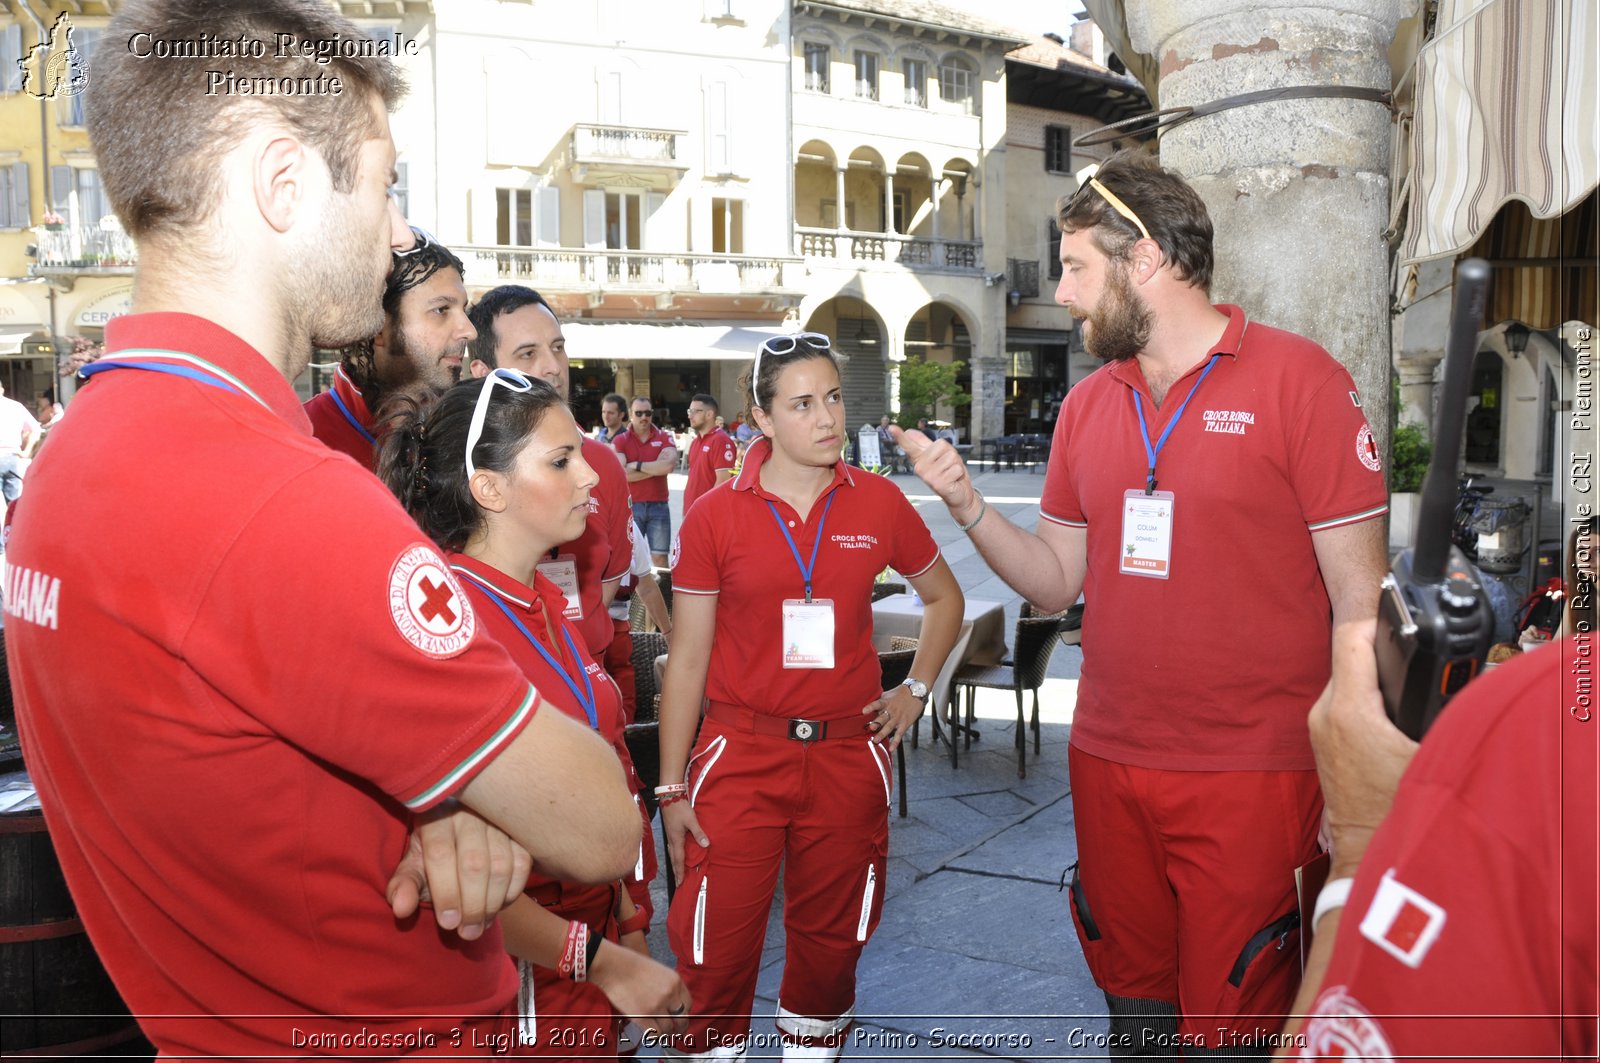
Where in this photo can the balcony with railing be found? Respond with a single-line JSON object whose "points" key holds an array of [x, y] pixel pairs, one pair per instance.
{"points": [[89, 250], [600, 272], [913, 252], [615, 149]]}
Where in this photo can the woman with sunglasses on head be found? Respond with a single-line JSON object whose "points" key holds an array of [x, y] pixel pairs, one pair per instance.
{"points": [[492, 472], [772, 631]]}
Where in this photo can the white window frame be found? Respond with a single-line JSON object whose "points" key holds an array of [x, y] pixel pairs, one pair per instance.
{"points": [[818, 80], [868, 69]]}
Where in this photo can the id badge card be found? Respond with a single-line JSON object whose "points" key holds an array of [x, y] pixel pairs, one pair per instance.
{"points": [[808, 633], [563, 572], [1147, 534]]}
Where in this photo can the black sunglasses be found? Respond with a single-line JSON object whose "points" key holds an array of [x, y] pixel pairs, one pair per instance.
{"points": [[644, 413]]}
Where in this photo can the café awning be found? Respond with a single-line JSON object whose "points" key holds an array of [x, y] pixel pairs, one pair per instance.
{"points": [[1505, 110], [622, 341]]}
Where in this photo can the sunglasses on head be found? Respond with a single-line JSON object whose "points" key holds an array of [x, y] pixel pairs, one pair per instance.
{"points": [[785, 344], [422, 239], [511, 380], [1116, 204]]}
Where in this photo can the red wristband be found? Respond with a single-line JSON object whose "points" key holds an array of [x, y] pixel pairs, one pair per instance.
{"points": [[639, 920]]}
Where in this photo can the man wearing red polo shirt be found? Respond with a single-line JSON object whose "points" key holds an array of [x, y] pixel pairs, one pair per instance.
{"points": [[1215, 494], [713, 453], [517, 329], [234, 879], [422, 343], [648, 455]]}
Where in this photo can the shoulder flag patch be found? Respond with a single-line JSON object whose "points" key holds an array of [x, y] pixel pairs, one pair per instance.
{"points": [[1401, 921], [1355, 399]]}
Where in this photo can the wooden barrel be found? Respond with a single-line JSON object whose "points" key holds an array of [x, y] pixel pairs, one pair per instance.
{"points": [[56, 997]]}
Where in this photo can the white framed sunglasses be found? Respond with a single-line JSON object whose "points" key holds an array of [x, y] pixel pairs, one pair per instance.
{"points": [[422, 239], [783, 345], [511, 380]]}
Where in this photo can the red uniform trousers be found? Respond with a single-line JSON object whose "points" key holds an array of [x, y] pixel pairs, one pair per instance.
{"points": [[821, 810], [563, 1019], [1185, 889]]}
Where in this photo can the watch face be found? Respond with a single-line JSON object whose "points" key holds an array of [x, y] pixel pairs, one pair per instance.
{"points": [[918, 688]]}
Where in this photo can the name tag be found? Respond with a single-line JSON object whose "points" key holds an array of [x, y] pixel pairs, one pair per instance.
{"points": [[1147, 534], [563, 572], [808, 633]]}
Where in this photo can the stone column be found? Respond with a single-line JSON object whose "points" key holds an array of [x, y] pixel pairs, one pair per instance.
{"points": [[1298, 189], [1419, 337], [888, 200], [838, 210], [938, 187]]}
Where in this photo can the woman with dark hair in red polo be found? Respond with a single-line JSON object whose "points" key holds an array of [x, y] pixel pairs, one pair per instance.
{"points": [[772, 630], [493, 473]]}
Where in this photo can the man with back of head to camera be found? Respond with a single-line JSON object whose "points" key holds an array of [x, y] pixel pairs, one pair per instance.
{"points": [[1458, 920], [1213, 492], [422, 344], [294, 668]]}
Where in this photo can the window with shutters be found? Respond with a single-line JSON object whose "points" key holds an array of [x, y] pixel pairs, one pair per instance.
{"points": [[915, 74], [958, 84], [14, 208], [1052, 250], [10, 59], [818, 60], [727, 226], [866, 75], [69, 104], [1058, 149], [719, 129], [528, 217]]}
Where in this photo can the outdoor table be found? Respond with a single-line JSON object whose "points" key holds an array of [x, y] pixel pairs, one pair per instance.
{"points": [[981, 640]]}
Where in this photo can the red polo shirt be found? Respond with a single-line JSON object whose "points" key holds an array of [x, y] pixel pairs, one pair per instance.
{"points": [[1214, 668], [1470, 931], [648, 449], [605, 549], [708, 453], [228, 722], [732, 546], [346, 428]]}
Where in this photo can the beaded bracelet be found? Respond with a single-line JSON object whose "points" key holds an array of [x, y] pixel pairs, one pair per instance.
{"points": [[670, 799]]}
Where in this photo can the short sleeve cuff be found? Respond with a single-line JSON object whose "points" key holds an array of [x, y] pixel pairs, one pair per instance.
{"points": [[934, 560], [1349, 518], [464, 770], [1053, 519]]}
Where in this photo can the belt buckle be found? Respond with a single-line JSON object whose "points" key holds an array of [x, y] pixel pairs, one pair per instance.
{"points": [[807, 730]]}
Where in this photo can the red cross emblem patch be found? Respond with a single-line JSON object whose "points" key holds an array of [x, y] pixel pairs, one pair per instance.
{"points": [[427, 605]]}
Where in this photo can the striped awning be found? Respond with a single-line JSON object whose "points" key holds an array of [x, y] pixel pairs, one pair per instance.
{"points": [[1505, 110]]}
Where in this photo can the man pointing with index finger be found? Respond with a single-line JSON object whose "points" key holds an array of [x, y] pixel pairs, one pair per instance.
{"points": [[1214, 480]]}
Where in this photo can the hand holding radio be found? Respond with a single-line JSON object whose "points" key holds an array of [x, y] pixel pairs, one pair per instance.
{"points": [[1435, 623]]}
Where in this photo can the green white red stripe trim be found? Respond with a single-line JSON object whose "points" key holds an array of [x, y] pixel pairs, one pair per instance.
{"points": [[485, 752], [1353, 518]]}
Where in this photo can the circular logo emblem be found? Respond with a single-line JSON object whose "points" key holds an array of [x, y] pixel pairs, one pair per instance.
{"points": [[1367, 449], [677, 546], [427, 605], [1340, 1028], [803, 730]]}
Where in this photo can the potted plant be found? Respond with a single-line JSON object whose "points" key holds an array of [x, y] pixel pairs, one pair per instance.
{"points": [[1409, 452], [54, 222]]}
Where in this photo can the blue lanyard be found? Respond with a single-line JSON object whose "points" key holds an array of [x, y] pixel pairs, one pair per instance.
{"points": [[585, 697], [805, 569], [1144, 429], [337, 401], [199, 370]]}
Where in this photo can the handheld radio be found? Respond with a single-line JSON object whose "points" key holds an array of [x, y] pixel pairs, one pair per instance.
{"points": [[1435, 623]]}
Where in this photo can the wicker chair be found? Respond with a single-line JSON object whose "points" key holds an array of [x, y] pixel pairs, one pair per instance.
{"points": [[896, 665], [1035, 640], [1071, 622]]}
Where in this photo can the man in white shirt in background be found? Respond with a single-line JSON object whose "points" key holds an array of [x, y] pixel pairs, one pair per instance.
{"points": [[17, 428]]}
